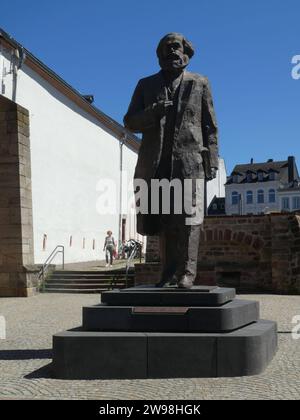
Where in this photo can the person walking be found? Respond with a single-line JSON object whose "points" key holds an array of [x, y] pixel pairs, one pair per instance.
{"points": [[109, 247]]}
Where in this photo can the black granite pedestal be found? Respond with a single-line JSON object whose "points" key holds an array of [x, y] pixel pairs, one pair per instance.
{"points": [[166, 333]]}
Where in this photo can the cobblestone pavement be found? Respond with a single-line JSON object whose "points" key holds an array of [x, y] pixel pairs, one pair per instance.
{"points": [[26, 354]]}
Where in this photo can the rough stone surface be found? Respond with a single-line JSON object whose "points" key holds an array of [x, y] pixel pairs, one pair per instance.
{"points": [[26, 353], [250, 253], [16, 231]]}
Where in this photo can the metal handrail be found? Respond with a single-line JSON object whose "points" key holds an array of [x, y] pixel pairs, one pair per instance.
{"points": [[131, 257], [60, 249]]}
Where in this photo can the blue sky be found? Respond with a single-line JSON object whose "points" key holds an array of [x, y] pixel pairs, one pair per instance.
{"points": [[244, 47]]}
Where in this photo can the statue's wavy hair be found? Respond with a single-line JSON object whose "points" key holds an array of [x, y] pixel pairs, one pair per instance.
{"points": [[187, 45]]}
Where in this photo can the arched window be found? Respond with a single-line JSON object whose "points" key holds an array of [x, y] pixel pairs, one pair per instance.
{"points": [[235, 198], [249, 197], [260, 196], [272, 196]]}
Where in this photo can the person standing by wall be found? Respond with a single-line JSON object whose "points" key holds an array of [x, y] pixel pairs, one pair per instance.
{"points": [[109, 247]]}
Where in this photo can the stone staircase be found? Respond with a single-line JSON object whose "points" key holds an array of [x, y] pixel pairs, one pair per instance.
{"points": [[87, 281]]}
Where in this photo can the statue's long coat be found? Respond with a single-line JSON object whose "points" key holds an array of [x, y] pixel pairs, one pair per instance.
{"points": [[195, 137]]}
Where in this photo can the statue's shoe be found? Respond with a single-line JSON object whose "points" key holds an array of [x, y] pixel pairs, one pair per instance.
{"points": [[186, 282], [167, 282]]}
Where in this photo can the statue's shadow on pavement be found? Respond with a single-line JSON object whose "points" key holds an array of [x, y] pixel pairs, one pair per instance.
{"points": [[44, 372], [38, 354]]}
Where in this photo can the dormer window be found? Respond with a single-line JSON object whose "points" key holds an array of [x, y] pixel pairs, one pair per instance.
{"points": [[260, 176], [272, 176], [235, 179], [249, 177]]}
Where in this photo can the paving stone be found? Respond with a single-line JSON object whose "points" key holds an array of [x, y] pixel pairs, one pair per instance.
{"points": [[32, 322]]}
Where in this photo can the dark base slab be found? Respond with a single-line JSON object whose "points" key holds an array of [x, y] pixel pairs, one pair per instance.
{"points": [[170, 296], [228, 317], [104, 355]]}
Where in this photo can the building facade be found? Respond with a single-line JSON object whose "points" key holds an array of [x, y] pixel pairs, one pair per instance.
{"points": [[261, 188], [74, 147]]}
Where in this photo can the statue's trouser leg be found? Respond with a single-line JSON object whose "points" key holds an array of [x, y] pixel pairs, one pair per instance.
{"points": [[168, 252], [188, 238]]}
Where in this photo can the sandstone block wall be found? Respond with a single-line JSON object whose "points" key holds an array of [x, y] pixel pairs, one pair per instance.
{"points": [[251, 253], [17, 274]]}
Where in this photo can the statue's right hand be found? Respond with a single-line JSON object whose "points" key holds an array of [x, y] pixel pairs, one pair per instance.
{"points": [[161, 107]]}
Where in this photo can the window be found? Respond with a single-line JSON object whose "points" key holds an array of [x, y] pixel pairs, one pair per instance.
{"points": [[235, 179], [285, 203], [260, 176], [249, 197], [296, 203], [272, 176], [272, 196], [235, 198], [249, 177], [215, 207], [260, 196]]}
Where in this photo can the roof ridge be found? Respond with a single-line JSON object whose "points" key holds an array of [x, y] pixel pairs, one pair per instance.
{"points": [[106, 119]]}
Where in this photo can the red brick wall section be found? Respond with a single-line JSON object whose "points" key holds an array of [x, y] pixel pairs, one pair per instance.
{"points": [[251, 253]]}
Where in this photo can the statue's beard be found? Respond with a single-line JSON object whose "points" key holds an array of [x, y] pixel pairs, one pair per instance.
{"points": [[175, 63]]}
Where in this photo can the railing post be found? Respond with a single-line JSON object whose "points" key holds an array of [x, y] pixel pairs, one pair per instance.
{"points": [[63, 257], [57, 250]]}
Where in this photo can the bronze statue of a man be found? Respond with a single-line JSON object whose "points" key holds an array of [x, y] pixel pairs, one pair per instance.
{"points": [[173, 109]]}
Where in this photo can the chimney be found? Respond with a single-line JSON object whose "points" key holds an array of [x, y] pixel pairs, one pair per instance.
{"points": [[291, 168], [252, 161]]}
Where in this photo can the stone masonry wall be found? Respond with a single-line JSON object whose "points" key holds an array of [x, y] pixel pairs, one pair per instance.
{"points": [[17, 277], [251, 253]]}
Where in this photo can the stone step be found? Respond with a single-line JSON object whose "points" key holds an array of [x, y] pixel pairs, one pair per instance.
{"points": [[229, 317], [75, 291], [104, 286], [128, 355], [90, 276], [90, 281], [92, 272], [171, 296]]}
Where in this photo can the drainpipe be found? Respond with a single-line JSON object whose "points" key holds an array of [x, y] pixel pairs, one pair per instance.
{"points": [[122, 142], [17, 60]]}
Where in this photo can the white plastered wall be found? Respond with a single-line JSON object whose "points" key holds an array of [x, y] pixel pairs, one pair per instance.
{"points": [[70, 152]]}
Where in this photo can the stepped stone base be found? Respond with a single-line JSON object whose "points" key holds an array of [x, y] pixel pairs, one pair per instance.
{"points": [[170, 296], [203, 332], [225, 318], [103, 355]]}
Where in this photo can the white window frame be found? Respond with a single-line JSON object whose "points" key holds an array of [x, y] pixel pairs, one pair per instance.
{"points": [[247, 196], [287, 201], [273, 192], [294, 200], [234, 195], [260, 193]]}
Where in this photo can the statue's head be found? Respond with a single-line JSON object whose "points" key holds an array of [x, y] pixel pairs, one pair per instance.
{"points": [[174, 52]]}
